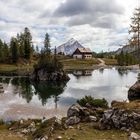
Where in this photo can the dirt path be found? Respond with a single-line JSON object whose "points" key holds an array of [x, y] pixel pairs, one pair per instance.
{"points": [[102, 62]]}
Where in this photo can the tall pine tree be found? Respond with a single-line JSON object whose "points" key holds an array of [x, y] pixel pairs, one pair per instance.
{"points": [[14, 50], [27, 43]]}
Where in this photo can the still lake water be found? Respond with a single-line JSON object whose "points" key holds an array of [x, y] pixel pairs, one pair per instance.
{"points": [[23, 99]]}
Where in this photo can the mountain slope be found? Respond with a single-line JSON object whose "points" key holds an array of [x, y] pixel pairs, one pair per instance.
{"points": [[127, 49], [69, 47]]}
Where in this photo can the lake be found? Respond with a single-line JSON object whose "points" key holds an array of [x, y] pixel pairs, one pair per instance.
{"points": [[23, 99]]}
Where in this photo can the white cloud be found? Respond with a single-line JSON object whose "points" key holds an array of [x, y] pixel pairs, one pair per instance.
{"points": [[102, 26]]}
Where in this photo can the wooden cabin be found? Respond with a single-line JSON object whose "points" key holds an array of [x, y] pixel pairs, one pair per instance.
{"points": [[82, 53]]}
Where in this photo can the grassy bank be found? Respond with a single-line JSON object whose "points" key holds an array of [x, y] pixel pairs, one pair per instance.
{"points": [[15, 69], [83, 131], [67, 62], [70, 64], [110, 61]]}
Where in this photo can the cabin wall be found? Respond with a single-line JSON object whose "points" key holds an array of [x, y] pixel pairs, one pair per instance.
{"points": [[77, 56], [87, 56]]}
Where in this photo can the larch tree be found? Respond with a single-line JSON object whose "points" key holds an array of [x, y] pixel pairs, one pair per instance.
{"points": [[135, 30]]}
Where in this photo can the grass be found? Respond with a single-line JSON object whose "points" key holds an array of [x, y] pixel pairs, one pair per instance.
{"points": [[70, 64], [5, 134], [110, 61], [87, 132], [133, 106]]}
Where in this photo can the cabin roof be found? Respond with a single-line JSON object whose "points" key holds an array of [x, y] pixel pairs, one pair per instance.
{"points": [[84, 50]]}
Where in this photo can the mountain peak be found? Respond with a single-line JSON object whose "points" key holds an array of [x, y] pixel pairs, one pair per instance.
{"points": [[69, 47], [71, 41]]}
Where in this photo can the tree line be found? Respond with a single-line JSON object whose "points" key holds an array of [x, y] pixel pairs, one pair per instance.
{"points": [[125, 59], [20, 47]]}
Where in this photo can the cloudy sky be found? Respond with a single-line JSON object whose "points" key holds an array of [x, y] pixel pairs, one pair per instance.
{"points": [[97, 24]]}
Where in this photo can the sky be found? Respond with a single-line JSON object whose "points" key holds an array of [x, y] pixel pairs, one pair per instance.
{"points": [[101, 25]]}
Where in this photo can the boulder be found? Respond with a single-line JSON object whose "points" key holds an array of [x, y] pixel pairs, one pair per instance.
{"points": [[134, 92], [73, 120], [74, 110], [92, 118], [119, 119], [134, 136]]}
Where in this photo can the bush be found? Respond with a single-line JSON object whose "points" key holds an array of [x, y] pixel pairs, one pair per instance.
{"points": [[93, 102]]}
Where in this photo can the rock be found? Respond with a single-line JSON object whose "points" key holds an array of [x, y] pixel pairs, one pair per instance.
{"points": [[25, 131], [43, 120], [74, 110], [73, 120], [71, 127], [92, 118], [21, 121], [43, 75], [134, 136], [119, 119], [58, 121], [134, 92], [59, 138], [32, 125]]}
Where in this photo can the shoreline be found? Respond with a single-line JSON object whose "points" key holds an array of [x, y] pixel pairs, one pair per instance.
{"points": [[94, 67], [68, 128]]}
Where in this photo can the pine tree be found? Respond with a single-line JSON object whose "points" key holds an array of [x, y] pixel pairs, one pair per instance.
{"points": [[6, 51], [47, 44], [27, 43], [14, 50], [1, 50]]}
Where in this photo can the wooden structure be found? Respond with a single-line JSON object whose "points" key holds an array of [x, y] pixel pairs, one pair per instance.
{"points": [[82, 53]]}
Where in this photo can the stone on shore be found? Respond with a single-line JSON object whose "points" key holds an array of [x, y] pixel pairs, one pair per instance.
{"points": [[134, 92], [134, 136]]}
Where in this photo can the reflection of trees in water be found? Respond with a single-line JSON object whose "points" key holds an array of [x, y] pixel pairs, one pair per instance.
{"points": [[24, 87], [122, 71], [101, 70], [46, 90], [4, 80]]}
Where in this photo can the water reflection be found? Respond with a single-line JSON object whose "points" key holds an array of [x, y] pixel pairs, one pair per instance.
{"points": [[20, 94], [82, 72], [46, 90], [122, 71]]}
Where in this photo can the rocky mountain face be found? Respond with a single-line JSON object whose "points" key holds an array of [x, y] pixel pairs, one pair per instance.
{"points": [[69, 47], [127, 49]]}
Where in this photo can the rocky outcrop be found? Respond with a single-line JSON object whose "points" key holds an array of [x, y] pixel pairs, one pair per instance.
{"points": [[43, 75], [120, 119], [77, 114], [134, 92]]}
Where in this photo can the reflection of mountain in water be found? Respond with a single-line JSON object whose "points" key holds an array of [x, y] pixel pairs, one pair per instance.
{"points": [[27, 90]]}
